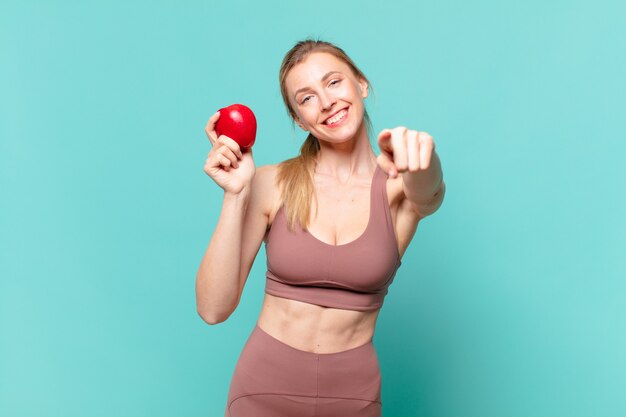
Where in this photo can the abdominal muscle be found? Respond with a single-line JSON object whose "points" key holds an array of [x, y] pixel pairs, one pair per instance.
{"points": [[314, 328]]}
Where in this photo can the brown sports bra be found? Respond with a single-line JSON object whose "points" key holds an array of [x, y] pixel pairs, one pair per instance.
{"points": [[352, 276]]}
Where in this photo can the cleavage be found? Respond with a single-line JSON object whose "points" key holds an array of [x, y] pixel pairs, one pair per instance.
{"points": [[347, 214]]}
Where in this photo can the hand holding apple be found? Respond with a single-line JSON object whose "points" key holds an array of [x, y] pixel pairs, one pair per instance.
{"points": [[229, 164]]}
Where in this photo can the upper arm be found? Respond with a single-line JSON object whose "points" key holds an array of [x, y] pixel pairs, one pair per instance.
{"points": [[256, 220]]}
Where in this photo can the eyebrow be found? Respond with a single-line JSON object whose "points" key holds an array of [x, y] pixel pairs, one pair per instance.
{"points": [[328, 74]]}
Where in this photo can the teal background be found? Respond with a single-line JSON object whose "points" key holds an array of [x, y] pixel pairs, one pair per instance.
{"points": [[510, 299]]}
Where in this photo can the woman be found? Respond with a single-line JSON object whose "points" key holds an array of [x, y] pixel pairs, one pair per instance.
{"points": [[311, 352]]}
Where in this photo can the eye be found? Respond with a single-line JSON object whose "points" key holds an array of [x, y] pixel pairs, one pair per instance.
{"points": [[306, 98]]}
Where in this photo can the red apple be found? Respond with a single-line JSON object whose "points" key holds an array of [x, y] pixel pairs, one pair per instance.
{"points": [[238, 123]]}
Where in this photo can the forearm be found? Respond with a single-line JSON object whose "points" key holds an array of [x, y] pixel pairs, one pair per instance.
{"points": [[422, 186], [217, 280]]}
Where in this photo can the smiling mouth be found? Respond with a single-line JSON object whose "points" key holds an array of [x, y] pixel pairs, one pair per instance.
{"points": [[337, 118]]}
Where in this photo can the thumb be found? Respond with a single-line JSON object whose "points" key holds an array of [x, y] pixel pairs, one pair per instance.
{"points": [[384, 141], [384, 135], [387, 165]]}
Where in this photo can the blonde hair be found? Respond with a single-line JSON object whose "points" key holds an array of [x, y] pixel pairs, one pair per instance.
{"points": [[295, 175]]}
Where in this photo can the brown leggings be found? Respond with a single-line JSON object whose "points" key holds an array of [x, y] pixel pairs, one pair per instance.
{"points": [[273, 379]]}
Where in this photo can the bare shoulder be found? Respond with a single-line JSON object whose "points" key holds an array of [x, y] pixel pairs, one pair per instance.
{"points": [[266, 190]]}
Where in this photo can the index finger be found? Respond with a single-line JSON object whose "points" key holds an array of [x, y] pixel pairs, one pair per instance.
{"points": [[210, 127]]}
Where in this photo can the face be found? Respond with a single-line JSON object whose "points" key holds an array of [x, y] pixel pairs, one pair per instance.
{"points": [[326, 97]]}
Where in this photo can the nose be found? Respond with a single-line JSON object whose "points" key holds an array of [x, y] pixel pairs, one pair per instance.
{"points": [[327, 101]]}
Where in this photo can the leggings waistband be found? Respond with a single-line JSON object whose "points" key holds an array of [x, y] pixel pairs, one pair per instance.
{"points": [[284, 346]]}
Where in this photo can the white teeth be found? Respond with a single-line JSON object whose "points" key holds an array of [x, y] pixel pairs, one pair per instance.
{"points": [[337, 117]]}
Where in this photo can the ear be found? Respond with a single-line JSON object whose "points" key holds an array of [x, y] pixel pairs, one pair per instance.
{"points": [[363, 86]]}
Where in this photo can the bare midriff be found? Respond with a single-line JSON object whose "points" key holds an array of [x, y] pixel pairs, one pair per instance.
{"points": [[314, 328]]}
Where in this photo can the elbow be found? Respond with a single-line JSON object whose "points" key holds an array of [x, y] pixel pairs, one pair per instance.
{"points": [[212, 312], [209, 311], [211, 318]]}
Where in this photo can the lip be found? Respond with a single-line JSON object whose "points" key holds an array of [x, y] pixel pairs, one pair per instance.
{"points": [[334, 114]]}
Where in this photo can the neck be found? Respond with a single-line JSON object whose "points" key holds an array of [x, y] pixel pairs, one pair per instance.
{"points": [[353, 158]]}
